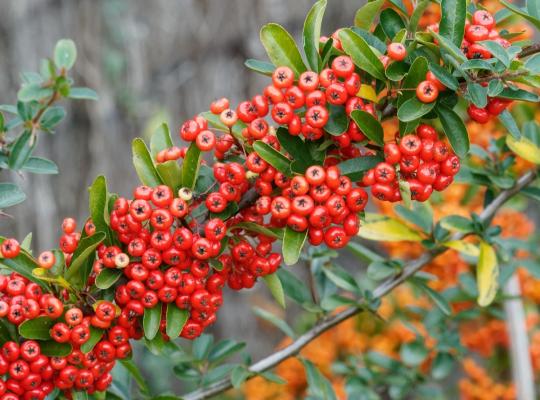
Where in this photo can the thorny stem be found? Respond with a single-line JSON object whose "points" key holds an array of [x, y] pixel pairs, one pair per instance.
{"points": [[384, 288]]}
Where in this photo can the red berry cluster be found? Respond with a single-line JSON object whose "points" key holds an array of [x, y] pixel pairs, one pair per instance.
{"points": [[322, 201], [29, 374], [421, 160]]}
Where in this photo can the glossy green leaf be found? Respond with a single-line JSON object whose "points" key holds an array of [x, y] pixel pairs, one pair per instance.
{"points": [[95, 335], [274, 320], [176, 319], [452, 25], [338, 122], [65, 53], [37, 328], [50, 348], [253, 227], [455, 130], [417, 73], [82, 93], [294, 288], [292, 245], [391, 23], [144, 166], [191, 165], [354, 168], [281, 48], [52, 117], [533, 64], [274, 285], [108, 277], [10, 195], [22, 150], [396, 71], [160, 139], [224, 349], [361, 54], [445, 77], [519, 94], [478, 94], [296, 147], [97, 201], [151, 321], [262, 67], [447, 45], [414, 109], [273, 157], [365, 15], [369, 126], [171, 174], [85, 248], [312, 34]]}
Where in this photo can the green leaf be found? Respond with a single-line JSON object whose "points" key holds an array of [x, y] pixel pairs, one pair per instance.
{"points": [[337, 120], [95, 336], [436, 297], [495, 87], [171, 174], [318, 386], [421, 215], [296, 147], [414, 109], [341, 278], [417, 14], [379, 270], [533, 64], [524, 148], [65, 53], [224, 349], [108, 277], [417, 73], [446, 78], [38, 165], [396, 71], [292, 245], [519, 94], [26, 244], [144, 166], [151, 321], [37, 328], [10, 194], [85, 248], [274, 285], [294, 288], [254, 227], [497, 51], [442, 365], [160, 139], [273, 157], [82, 93], [262, 67], [22, 150], [355, 167], [281, 48], [239, 375], [365, 15], [191, 165], [391, 23], [176, 319], [52, 117], [457, 223], [478, 94], [509, 123], [50, 348], [97, 201], [413, 353], [274, 320], [522, 13], [134, 371], [455, 130], [312, 34], [202, 346], [369, 126], [33, 92], [452, 50], [452, 25], [361, 54]]}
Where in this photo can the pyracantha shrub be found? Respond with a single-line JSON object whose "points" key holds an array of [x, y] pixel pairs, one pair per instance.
{"points": [[296, 163]]}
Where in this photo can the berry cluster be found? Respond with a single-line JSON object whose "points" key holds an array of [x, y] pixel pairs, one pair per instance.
{"points": [[322, 201], [421, 160], [29, 374]]}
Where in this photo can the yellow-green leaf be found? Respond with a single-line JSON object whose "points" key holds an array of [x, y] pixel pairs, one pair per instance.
{"points": [[367, 92], [387, 229], [466, 248], [524, 148], [487, 273]]}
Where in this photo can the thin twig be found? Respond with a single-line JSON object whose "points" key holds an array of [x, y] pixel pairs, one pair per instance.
{"points": [[330, 321]]}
